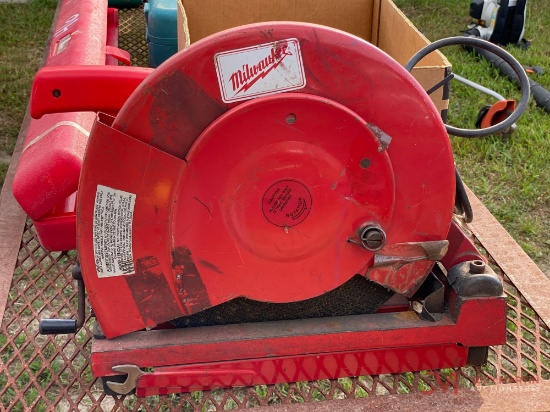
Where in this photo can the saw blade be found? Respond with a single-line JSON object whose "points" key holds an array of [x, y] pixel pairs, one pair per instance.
{"points": [[358, 296]]}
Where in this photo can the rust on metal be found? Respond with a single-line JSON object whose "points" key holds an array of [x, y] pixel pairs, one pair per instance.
{"points": [[383, 138], [188, 278]]}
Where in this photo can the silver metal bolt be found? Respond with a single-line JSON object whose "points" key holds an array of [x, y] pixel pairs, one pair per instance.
{"points": [[373, 238]]}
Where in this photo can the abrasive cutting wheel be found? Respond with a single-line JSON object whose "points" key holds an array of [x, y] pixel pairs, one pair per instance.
{"points": [[271, 162]]}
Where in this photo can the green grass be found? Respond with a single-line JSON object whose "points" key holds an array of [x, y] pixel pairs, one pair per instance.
{"points": [[511, 176], [23, 35]]}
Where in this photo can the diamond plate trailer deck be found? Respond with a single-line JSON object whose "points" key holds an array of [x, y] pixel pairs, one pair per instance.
{"points": [[53, 373]]}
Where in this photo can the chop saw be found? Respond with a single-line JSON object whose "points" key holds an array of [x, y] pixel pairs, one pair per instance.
{"points": [[275, 204]]}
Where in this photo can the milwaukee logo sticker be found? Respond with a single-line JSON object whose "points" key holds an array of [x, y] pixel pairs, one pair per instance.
{"points": [[260, 70]]}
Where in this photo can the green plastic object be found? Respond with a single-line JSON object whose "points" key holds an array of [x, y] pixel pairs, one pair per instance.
{"points": [[125, 4]]}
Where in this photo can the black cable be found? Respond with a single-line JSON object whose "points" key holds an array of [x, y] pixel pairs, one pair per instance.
{"points": [[505, 56], [540, 94], [461, 200]]}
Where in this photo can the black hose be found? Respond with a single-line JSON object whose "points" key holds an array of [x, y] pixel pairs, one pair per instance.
{"points": [[462, 203], [540, 94], [503, 54]]}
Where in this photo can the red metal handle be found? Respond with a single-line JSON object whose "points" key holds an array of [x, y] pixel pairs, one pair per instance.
{"points": [[83, 88]]}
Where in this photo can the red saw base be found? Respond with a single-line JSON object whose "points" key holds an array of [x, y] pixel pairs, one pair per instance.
{"points": [[304, 350], [456, 314]]}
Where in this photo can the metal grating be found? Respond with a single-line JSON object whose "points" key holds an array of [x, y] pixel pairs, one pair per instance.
{"points": [[131, 35], [45, 373], [525, 358]]}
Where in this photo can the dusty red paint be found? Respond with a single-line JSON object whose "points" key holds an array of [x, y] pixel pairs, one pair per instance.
{"points": [[190, 286], [150, 290], [281, 351]]}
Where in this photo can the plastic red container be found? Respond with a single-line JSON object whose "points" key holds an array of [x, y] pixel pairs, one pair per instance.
{"points": [[49, 168]]}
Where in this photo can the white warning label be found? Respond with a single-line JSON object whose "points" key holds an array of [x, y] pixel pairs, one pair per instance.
{"points": [[112, 232]]}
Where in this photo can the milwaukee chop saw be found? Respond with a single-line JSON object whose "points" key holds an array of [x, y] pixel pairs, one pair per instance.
{"points": [[274, 204]]}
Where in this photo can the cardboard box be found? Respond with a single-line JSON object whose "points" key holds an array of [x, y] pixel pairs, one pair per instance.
{"points": [[378, 21]]}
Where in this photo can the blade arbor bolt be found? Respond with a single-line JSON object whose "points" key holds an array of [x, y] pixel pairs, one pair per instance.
{"points": [[373, 238]]}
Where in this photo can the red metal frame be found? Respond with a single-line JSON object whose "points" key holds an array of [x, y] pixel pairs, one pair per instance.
{"points": [[312, 349], [314, 367]]}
